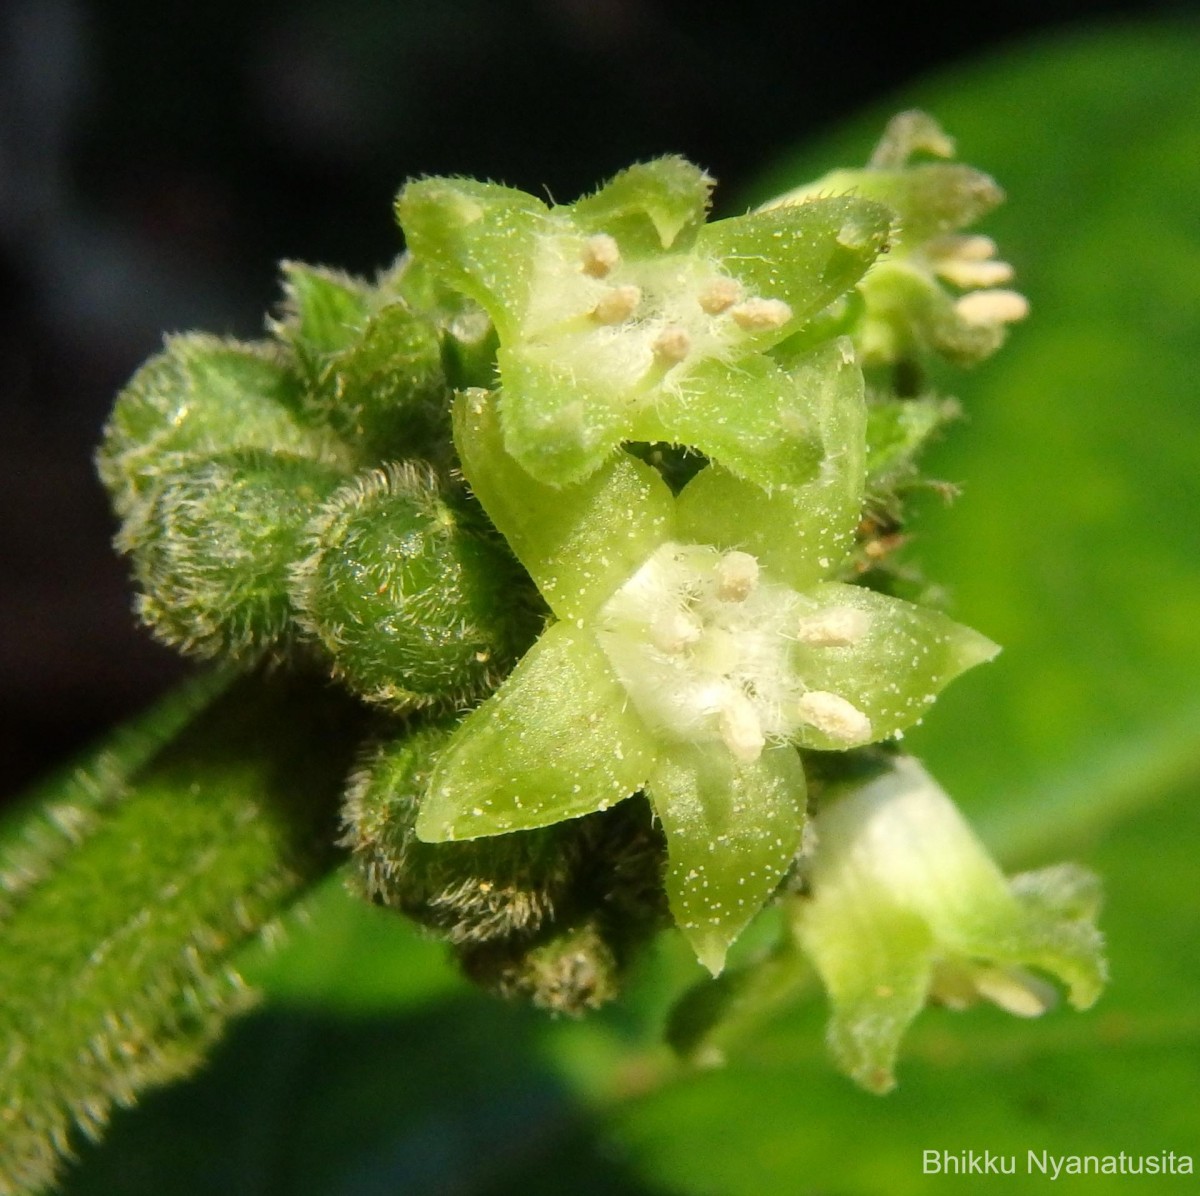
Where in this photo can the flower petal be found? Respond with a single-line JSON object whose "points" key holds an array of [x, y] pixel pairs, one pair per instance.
{"points": [[649, 207], [931, 198], [875, 961], [579, 543], [805, 255], [890, 668], [556, 741], [904, 901], [479, 237], [733, 830], [751, 417], [560, 422], [799, 532]]}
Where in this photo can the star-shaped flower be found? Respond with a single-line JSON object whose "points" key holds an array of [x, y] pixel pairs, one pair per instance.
{"points": [[698, 641], [905, 905], [907, 305], [625, 317]]}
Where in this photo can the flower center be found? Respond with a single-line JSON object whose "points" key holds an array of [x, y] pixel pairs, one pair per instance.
{"points": [[640, 323], [708, 650]]}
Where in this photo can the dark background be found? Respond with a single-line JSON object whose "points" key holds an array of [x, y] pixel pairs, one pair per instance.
{"points": [[156, 160]]}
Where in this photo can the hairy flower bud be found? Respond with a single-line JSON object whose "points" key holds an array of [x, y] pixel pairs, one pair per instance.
{"points": [[414, 602]]}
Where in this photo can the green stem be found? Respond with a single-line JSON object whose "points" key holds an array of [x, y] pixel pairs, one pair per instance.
{"points": [[126, 893]]}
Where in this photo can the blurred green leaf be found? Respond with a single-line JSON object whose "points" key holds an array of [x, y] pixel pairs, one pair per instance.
{"points": [[1075, 547]]}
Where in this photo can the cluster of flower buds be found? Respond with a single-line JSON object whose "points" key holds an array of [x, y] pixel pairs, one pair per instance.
{"points": [[663, 594]]}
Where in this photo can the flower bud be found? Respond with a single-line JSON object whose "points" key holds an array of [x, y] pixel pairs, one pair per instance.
{"points": [[212, 549], [201, 396], [469, 892], [413, 605], [385, 393], [323, 313]]}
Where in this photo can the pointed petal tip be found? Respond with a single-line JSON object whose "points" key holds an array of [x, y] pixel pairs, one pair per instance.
{"points": [[711, 952]]}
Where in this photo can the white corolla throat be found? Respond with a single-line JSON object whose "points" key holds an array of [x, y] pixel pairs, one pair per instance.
{"points": [[710, 650]]}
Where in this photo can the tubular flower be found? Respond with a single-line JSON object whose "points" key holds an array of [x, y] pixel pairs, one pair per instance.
{"points": [[906, 906], [907, 306], [624, 316], [699, 640]]}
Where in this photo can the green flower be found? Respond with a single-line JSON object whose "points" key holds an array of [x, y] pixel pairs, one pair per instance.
{"points": [[625, 316], [698, 641], [906, 906], [907, 305]]}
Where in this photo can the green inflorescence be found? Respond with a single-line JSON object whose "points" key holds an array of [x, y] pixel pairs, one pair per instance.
{"points": [[597, 508]]}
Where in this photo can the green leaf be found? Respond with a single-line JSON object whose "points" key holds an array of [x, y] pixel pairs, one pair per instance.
{"points": [[931, 199], [732, 831], [556, 741], [182, 843], [560, 423]]}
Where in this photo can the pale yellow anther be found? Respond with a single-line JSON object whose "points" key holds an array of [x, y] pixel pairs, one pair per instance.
{"points": [[963, 272], [737, 576], [758, 315], [671, 345], [839, 627], [832, 715], [600, 255], [719, 295], [1014, 990], [969, 247], [740, 729], [615, 306], [984, 309]]}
